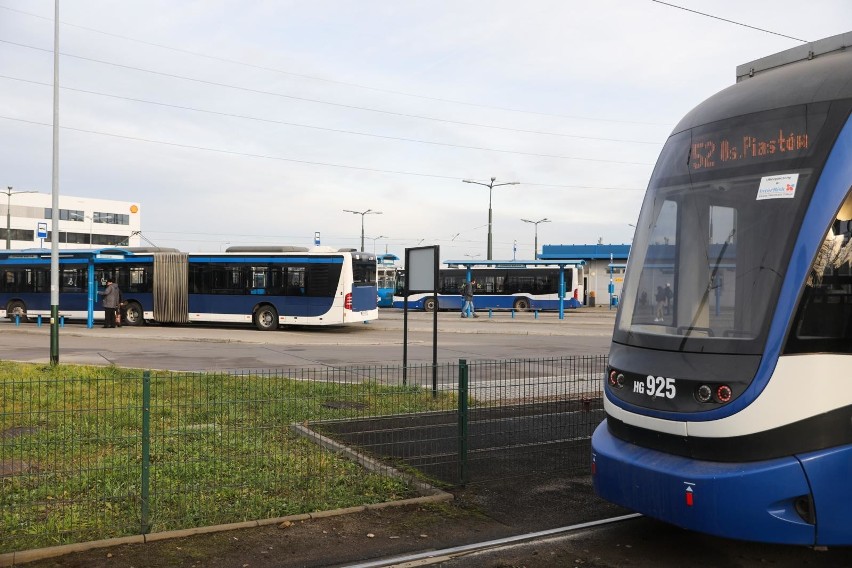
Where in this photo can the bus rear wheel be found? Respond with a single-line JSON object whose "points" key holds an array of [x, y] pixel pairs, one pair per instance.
{"points": [[430, 304], [522, 304], [133, 314], [266, 318], [16, 308]]}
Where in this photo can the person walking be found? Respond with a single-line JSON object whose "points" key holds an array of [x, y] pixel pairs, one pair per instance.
{"points": [[660, 298], [669, 296], [467, 294], [112, 299]]}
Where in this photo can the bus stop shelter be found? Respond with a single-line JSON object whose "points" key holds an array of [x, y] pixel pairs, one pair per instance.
{"points": [[561, 264]]}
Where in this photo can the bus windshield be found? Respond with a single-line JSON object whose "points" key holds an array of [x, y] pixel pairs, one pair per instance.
{"points": [[363, 272], [714, 236]]}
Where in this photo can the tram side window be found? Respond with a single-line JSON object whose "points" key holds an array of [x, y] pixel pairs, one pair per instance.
{"points": [[823, 320]]}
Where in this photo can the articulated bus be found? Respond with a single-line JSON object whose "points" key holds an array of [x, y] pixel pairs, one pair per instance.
{"points": [[513, 287], [264, 286]]}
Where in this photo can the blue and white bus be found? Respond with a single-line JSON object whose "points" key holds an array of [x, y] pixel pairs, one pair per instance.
{"points": [[514, 286], [386, 278], [264, 286]]}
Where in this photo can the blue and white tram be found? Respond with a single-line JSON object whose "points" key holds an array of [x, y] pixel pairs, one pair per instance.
{"points": [[729, 406]]}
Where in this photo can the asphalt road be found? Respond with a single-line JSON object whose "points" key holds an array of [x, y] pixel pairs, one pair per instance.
{"points": [[586, 331]]}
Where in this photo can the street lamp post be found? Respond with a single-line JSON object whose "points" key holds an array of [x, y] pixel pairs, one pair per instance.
{"points": [[545, 220], [362, 213], [9, 193], [490, 187], [374, 239], [91, 219]]}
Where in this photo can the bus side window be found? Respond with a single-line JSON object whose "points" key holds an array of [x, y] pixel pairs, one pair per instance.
{"points": [[295, 280]]}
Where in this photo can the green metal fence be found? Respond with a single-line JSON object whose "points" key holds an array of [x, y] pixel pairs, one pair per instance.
{"points": [[104, 453]]}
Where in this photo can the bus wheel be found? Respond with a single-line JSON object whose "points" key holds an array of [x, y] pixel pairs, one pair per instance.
{"points": [[133, 314], [266, 318], [16, 308], [522, 304], [429, 304]]}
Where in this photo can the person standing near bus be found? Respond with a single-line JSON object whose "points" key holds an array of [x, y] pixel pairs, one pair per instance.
{"points": [[467, 294], [112, 299]]}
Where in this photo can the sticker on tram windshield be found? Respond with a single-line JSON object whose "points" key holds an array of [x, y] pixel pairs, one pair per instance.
{"points": [[777, 187]]}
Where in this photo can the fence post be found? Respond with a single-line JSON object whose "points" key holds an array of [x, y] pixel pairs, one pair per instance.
{"points": [[463, 421], [146, 450]]}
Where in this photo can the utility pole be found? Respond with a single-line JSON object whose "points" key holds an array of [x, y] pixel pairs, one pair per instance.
{"points": [[362, 213], [490, 187], [545, 220], [54, 240]]}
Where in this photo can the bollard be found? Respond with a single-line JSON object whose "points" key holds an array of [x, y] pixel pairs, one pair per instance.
{"points": [[38, 320], [536, 314], [513, 314], [490, 313], [61, 321], [17, 319]]}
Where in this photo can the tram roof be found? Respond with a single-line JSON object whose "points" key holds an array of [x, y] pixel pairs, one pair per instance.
{"points": [[823, 77]]}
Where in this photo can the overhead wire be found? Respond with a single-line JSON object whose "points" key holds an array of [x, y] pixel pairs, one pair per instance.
{"points": [[319, 163], [294, 160], [305, 99], [327, 80], [727, 20], [338, 130]]}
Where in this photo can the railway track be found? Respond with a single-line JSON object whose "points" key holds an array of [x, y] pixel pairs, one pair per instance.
{"points": [[437, 556]]}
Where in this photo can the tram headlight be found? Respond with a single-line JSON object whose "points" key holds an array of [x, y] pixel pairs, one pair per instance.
{"points": [[724, 393], [619, 380], [704, 393]]}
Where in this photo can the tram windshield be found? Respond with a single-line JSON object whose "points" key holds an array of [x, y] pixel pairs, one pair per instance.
{"points": [[715, 232]]}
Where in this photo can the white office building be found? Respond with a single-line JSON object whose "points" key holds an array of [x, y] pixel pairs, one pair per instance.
{"points": [[83, 222]]}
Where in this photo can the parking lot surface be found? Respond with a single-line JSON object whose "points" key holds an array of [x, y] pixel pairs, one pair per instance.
{"points": [[500, 335]]}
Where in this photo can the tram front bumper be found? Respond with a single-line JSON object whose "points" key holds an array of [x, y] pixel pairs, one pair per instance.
{"points": [[748, 501]]}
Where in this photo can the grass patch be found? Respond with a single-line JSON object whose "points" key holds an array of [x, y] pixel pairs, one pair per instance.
{"points": [[221, 449]]}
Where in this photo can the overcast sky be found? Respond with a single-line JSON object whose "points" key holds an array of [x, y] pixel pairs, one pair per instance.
{"points": [[259, 122]]}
